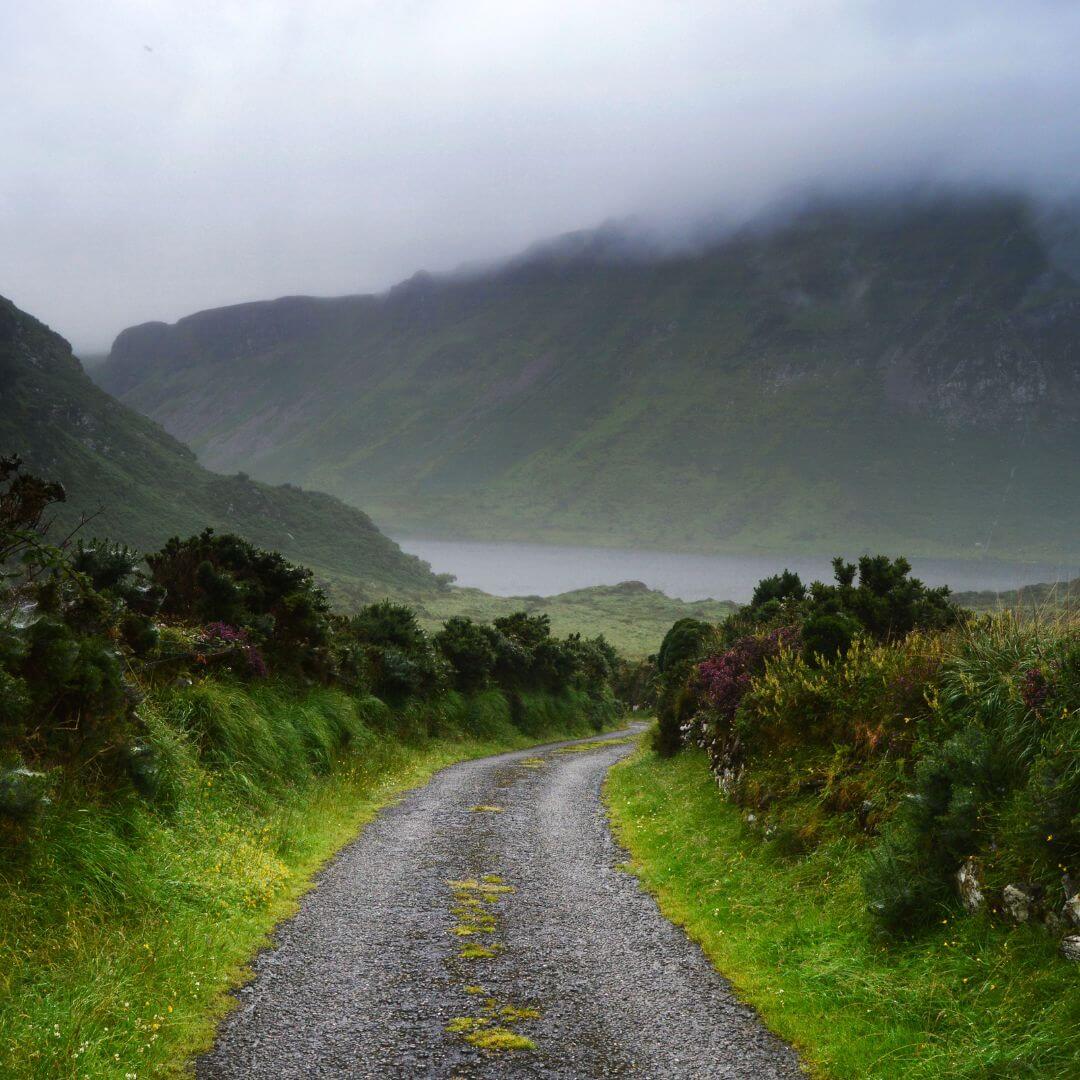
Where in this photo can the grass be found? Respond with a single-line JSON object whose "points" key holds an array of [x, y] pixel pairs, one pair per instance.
{"points": [[631, 616], [964, 1000], [123, 922]]}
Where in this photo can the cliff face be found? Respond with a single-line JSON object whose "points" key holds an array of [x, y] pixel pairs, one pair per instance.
{"points": [[858, 375]]}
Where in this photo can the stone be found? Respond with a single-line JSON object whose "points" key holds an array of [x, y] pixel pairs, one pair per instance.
{"points": [[1055, 924], [970, 886], [1071, 910], [1070, 947], [1019, 902]]}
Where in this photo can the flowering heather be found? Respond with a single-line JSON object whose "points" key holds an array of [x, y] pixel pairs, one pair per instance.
{"points": [[1035, 688], [256, 663], [222, 632], [233, 637], [724, 679]]}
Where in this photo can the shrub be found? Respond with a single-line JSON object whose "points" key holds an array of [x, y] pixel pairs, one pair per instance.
{"points": [[223, 579], [469, 651], [400, 660], [688, 639]]}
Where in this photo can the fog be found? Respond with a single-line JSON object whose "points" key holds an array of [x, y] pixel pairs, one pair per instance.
{"points": [[161, 158]]}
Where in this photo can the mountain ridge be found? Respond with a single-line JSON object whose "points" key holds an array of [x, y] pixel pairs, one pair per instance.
{"points": [[896, 377]]}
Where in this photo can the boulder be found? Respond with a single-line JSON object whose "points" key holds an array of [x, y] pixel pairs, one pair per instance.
{"points": [[1019, 902], [1070, 947], [1071, 910], [969, 885]]}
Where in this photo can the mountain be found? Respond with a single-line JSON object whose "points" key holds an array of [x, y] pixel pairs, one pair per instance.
{"points": [[901, 376], [139, 485]]}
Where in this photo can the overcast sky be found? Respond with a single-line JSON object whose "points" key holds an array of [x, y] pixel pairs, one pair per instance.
{"points": [[157, 158]]}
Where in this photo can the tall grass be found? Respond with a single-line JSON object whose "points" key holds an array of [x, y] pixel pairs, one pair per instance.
{"points": [[123, 919], [966, 999]]}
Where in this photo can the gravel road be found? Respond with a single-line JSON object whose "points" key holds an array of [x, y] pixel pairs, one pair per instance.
{"points": [[507, 857]]}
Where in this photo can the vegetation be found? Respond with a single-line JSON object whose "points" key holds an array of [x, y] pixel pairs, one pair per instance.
{"points": [[966, 999], [1034, 599], [630, 615], [182, 743], [860, 374], [137, 484], [896, 818], [141, 486]]}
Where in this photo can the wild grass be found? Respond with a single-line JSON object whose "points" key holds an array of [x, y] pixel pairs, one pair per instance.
{"points": [[966, 999], [123, 921]]}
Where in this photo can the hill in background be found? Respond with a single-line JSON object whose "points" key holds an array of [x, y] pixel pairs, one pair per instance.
{"points": [[139, 485], [899, 377]]}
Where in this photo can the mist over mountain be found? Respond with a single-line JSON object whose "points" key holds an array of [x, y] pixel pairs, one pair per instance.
{"points": [[226, 154], [898, 374]]}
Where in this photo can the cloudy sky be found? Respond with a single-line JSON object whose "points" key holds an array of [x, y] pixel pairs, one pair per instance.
{"points": [[160, 157]]}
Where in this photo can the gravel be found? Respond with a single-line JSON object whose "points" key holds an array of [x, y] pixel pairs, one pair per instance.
{"points": [[365, 979]]}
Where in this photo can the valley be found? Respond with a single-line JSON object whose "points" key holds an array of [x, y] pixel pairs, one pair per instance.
{"points": [[876, 374]]}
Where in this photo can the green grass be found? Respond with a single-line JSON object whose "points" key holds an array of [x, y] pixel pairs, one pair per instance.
{"points": [[631, 616], [123, 923], [965, 1000]]}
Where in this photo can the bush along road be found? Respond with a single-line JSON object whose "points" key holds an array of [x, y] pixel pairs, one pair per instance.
{"points": [[483, 927]]}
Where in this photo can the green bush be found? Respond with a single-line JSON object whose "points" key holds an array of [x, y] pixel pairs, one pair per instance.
{"points": [[469, 651]]}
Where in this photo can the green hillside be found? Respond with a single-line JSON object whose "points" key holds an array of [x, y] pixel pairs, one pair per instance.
{"points": [[894, 377], [138, 484]]}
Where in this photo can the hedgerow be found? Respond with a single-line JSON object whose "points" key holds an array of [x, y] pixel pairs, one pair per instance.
{"points": [[873, 708], [88, 628]]}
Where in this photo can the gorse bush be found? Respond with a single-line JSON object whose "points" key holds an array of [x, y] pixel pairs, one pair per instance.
{"points": [[87, 629], [871, 708], [683, 645], [996, 776]]}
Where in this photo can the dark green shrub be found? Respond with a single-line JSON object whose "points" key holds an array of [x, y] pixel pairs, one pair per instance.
{"points": [[827, 636], [401, 661], [469, 651], [687, 639], [224, 579]]}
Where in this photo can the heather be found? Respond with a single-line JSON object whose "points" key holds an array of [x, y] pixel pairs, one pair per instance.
{"points": [[932, 741]]}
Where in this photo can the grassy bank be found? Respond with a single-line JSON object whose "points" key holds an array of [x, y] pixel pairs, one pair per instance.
{"points": [[124, 919], [633, 617], [968, 998]]}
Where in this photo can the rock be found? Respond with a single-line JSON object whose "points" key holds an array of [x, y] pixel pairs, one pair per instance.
{"points": [[1055, 924], [1019, 902], [183, 682], [1071, 910], [22, 791], [1070, 947], [970, 886]]}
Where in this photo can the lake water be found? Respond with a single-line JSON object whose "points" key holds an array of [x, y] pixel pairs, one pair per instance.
{"points": [[511, 569]]}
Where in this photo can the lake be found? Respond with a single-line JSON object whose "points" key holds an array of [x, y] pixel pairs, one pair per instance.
{"points": [[513, 569]]}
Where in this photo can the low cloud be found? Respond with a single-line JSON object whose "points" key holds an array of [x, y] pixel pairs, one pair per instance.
{"points": [[163, 158]]}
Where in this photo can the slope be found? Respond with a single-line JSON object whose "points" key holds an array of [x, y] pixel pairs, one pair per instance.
{"points": [[139, 485], [900, 376]]}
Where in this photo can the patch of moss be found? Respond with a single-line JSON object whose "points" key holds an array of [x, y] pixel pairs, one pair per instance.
{"points": [[473, 951], [482, 809], [485, 886], [463, 1025], [596, 744], [515, 1013], [498, 1038], [473, 989]]}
